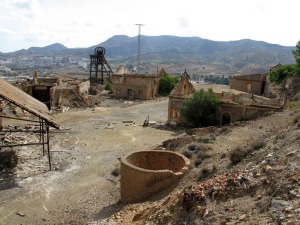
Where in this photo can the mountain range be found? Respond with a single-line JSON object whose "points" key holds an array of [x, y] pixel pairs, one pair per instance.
{"points": [[166, 50]]}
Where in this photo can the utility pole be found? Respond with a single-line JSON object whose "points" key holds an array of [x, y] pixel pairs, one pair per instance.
{"points": [[139, 48]]}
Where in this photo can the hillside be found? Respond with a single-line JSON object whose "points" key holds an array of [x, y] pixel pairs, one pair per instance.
{"points": [[176, 53], [245, 173]]}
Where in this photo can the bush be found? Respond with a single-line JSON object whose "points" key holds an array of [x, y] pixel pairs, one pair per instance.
{"points": [[194, 147], [108, 87], [296, 54], [258, 144], [167, 84], [187, 153], [197, 162], [203, 155], [202, 108], [282, 73], [115, 172], [237, 154]]}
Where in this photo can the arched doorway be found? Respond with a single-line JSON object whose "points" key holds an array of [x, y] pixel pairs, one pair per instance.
{"points": [[226, 118]]}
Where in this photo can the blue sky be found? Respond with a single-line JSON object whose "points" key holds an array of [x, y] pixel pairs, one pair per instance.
{"points": [[83, 23]]}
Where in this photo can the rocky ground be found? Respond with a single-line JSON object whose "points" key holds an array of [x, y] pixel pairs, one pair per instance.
{"points": [[244, 173]]}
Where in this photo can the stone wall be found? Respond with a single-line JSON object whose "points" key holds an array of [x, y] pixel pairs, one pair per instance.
{"points": [[141, 87], [238, 112], [249, 83], [148, 172], [83, 88]]}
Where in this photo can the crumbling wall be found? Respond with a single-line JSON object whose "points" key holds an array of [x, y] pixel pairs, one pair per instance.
{"points": [[141, 87], [249, 83], [240, 112], [83, 88]]}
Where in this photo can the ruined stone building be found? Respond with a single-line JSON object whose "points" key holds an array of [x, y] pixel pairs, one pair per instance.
{"points": [[254, 84], [235, 104], [56, 92], [134, 86], [183, 90]]}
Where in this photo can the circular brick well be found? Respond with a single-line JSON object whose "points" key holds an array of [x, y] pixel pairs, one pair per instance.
{"points": [[144, 173]]}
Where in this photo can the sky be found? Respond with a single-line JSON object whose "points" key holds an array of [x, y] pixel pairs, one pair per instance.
{"points": [[84, 23]]}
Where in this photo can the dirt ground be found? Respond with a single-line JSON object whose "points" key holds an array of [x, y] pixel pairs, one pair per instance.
{"points": [[82, 190], [85, 152]]}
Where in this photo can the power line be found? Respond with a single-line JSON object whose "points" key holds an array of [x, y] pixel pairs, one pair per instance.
{"points": [[139, 47]]}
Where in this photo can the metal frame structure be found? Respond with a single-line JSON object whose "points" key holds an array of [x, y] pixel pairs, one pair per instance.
{"points": [[98, 60], [26, 102], [44, 140]]}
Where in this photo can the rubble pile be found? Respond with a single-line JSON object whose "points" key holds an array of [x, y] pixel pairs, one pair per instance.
{"points": [[196, 195]]}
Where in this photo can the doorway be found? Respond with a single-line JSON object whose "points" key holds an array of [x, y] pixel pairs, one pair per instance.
{"points": [[226, 118], [42, 93]]}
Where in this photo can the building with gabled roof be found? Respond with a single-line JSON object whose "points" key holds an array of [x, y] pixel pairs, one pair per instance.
{"points": [[182, 90], [235, 104]]}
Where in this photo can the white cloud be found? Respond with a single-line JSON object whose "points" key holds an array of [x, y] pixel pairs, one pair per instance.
{"points": [[77, 23]]}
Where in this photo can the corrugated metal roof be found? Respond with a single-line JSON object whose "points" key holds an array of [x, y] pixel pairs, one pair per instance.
{"points": [[25, 101]]}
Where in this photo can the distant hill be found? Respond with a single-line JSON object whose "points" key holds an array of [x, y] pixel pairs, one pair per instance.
{"points": [[233, 55]]}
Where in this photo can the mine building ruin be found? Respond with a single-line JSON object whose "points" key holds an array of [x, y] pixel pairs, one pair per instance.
{"points": [[134, 86], [14, 96], [254, 83], [236, 104], [56, 93]]}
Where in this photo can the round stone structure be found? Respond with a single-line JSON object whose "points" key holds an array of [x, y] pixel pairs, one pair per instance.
{"points": [[144, 173]]}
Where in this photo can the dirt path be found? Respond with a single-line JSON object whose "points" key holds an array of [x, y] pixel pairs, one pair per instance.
{"points": [[85, 153]]}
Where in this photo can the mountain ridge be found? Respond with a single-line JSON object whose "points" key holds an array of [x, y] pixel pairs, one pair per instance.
{"points": [[232, 56]]}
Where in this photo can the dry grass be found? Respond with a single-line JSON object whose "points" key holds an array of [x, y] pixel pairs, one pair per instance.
{"points": [[237, 154], [203, 155], [116, 172], [258, 144], [197, 162], [188, 153]]}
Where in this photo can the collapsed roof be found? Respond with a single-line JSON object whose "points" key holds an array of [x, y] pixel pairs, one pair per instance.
{"points": [[25, 102]]}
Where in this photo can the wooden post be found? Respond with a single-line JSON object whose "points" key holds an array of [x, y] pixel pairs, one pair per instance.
{"points": [[1, 126], [48, 144]]}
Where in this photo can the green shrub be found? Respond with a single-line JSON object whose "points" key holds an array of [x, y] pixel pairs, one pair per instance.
{"points": [[279, 75], [167, 84], [296, 54], [108, 87], [202, 108]]}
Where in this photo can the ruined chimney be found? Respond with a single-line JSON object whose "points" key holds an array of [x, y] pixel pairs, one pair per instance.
{"points": [[35, 77]]}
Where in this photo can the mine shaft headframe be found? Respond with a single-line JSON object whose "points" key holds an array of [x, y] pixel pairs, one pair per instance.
{"points": [[99, 65], [99, 51]]}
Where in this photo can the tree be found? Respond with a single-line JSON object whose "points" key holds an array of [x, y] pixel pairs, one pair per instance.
{"points": [[167, 84], [202, 108], [282, 73], [296, 54]]}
